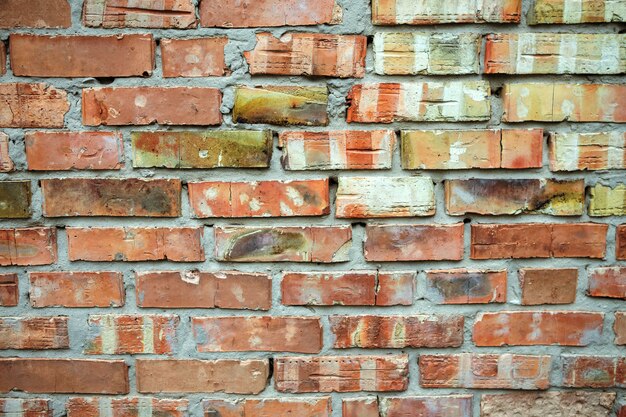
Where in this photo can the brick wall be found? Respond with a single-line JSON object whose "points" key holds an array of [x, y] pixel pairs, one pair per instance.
{"points": [[310, 208]]}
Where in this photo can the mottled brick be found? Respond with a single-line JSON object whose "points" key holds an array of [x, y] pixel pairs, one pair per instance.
{"points": [[28, 246], [168, 14], [32, 105], [9, 290], [571, 151], [124, 407], [583, 11], [34, 333], [607, 201], [552, 403], [463, 286], [548, 285], [607, 281], [269, 407], [429, 12], [76, 289], [15, 199], [198, 57]]}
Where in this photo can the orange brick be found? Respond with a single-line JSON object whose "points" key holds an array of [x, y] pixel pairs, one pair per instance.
{"points": [[3, 59], [200, 57], [360, 407], [608, 281], [548, 285], [592, 371], [522, 148], [9, 290], [530, 328], [35, 14], [76, 289], [124, 407], [169, 14], [573, 151], [429, 12], [34, 333], [620, 242], [26, 407], [619, 327], [101, 244], [462, 286], [28, 246], [32, 105], [192, 289], [427, 406], [268, 407]]}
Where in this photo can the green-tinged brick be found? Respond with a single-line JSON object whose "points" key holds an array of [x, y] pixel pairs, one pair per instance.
{"points": [[15, 199], [281, 105], [607, 201], [202, 149]]}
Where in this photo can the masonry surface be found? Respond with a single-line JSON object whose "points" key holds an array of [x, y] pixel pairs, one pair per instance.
{"points": [[330, 208]]}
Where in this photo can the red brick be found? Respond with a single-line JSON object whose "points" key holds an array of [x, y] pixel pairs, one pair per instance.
{"points": [[341, 373], [34, 333], [131, 334], [205, 376], [538, 240], [551, 403], [485, 371], [105, 244], [427, 406], [28, 246], [3, 59], [360, 407], [462, 286], [234, 14], [125, 407], [35, 14], [268, 407], [391, 243], [259, 198], [265, 334], [192, 289], [9, 292], [619, 327], [548, 285], [64, 151], [128, 197], [81, 56], [26, 407], [434, 331], [324, 244], [529, 328], [6, 163], [609, 281], [355, 288], [169, 14], [315, 54], [32, 105], [200, 57], [76, 289], [121, 106], [59, 376], [522, 148], [620, 242], [591, 371]]}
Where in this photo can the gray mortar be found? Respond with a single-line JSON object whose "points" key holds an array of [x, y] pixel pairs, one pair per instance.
{"points": [[356, 20]]}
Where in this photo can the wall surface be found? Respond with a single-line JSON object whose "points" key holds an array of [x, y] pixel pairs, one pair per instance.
{"points": [[255, 208]]}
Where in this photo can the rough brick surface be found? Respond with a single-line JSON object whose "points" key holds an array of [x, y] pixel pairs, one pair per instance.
{"points": [[201, 57], [34, 333], [548, 285], [35, 14], [32, 105], [76, 289], [120, 407], [179, 14], [462, 286], [556, 403]]}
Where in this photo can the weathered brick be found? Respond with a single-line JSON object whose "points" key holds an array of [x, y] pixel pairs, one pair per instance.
{"points": [[3, 59], [205, 149], [58, 376], [413, 53], [538, 240], [369, 197], [432, 101], [364, 288], [619, 327], [15, 199], [338, 149], [548, 285], [128, 197], [571, 151], [391, 243], [35, 14], [199, 57], [466, 149], [552, 403], [9, 290], [591, 371], [620, 242], [418, 331], [360, 407], [32, 105], [131, 334], [268, 407], [106, 244], [427, 406], [6, 163], [124, 407], [397, 12], [556, 102], [607, 281], [64, 151], [555, 53], [191, 289], [169, 14], [120, 106], [81, 56], [315, 54], [28, 246], [281, 105], [607, 201], [341, 373], [283, 244], [462, 286], [194, 375], [515, 196], [264, 333], [485, 371], [34, 333], [234, 14], [286, 198], [76, 289], [529, 328], [583, 11], [25, 407]]}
